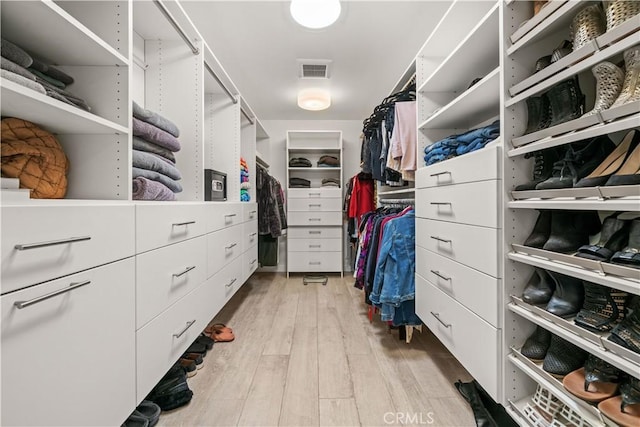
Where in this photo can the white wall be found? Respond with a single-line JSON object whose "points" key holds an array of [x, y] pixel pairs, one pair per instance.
{"points": [[275, 154]]}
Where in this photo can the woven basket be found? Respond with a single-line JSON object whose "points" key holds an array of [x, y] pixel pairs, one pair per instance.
{"points": [[619, 11], [588, 24]]}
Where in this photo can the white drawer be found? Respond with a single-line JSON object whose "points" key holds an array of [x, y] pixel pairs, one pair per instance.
{"points": [[223, 214], [315, 233], [230, 279], [479, 165], [160, 342], [59, 240], [250, 234], [476, 247], [165, 275], [314, 245], [314, 193], [471, 288], [70, 359], [314, 218], [315, 205], [224, 246], [314, 261], [159, 225], [249, 211], [249, 263], [475, 203], [474, 342]]}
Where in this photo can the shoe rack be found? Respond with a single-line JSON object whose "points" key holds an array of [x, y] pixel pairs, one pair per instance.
{"points": [[525, 38]]}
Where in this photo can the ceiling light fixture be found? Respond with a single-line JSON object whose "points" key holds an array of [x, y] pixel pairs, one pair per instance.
{"points": [[315, 14], [314, 99]]}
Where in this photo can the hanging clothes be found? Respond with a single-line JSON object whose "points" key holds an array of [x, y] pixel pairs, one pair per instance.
{"points": [[272, 217]]}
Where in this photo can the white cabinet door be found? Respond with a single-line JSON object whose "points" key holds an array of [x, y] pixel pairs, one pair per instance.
{"points": [[250, 234], [159, 225], [249, 211], [314, 233], [249, 263], [70, 359]]}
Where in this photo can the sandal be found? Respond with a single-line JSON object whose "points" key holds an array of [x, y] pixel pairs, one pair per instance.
{"points": [[594, 383], [624, 410], [222, 336]]}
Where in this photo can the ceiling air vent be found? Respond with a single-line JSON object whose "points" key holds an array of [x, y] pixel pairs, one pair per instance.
{"points": [[314, 69]]}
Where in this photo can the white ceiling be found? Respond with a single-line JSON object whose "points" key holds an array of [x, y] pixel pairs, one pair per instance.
{"points": [[370, 47]]}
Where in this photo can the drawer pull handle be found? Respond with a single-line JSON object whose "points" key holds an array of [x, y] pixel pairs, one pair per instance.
{"points": [[440, 203], [252, 234], [315, 232], [231, 246], [315, 219], [230, 215], [228, 285], [252, 213], [181, 333], [314, 204], [51, 243], [315, 246], [437, 316], [179, 224], [185, 271], [440, 173], [23, 304], [439, 239], [315, 194], [253, 262], [437, 273], [314, 263]]}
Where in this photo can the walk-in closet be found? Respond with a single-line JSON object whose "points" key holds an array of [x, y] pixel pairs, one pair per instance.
{"points": [[320, 213]]}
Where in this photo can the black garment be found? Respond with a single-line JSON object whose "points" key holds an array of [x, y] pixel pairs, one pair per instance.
{"points": [[267, 250], [271, 216], [299, 162], [299, 183]]}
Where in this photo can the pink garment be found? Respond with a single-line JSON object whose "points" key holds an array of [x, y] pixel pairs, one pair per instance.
{"points": [[404, 138]]}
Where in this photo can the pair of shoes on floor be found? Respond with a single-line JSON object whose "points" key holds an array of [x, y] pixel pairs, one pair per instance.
{"points": [[619, 242], [191, 362], [219, 332], [146, 414], [172, 391], [563, 231], [558, 356]]}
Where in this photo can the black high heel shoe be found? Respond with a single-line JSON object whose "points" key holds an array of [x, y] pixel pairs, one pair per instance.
{"points": [[613, 237], [613, 163]]}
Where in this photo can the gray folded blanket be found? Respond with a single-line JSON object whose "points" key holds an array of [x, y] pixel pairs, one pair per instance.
{"points": [[146, 189], [39, 65], [155, 119], [150, 147], [149, 161], [55, 82], [59, 75], [172, 184], [63, 95], [7, 64], [156, 135], [22, 81], [15, 54]]}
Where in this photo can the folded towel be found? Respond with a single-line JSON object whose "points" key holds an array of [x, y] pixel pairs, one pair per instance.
{"points": [[15, 54], [9, 65], [156, 135], [142, 145], [328, 160], [55, 82], [149, 161], [59, 75], [172, 184], [155, 119], [39, 65], [146, 189], [245, 185], [22, 81], [62, 95], [333, 180]]}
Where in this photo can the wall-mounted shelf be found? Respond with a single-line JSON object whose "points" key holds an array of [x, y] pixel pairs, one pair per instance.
{"points": [[621, 204], [574, 194], [260, 160], [315, 169], [536, 20], [410, 190]]}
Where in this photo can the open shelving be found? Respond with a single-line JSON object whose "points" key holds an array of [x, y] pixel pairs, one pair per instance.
{"points": [[529, 24]]}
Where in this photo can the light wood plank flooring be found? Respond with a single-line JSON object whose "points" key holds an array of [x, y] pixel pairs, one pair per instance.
{"points": [[308, 356]]}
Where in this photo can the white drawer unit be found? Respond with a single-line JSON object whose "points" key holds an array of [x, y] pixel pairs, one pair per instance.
{"points": [[474, 203], [159, 224], [312, 205], [250, 234], [314, 218], [164, 275], [43, 242], [220, 287], [249, 263], [476, 247], [474, 342], [224, 246], [249, 211], [314, 193], [314, 245], [223, 214], [475, 290], [315, 233], [480, 165], [314, 261], [68, 350]]}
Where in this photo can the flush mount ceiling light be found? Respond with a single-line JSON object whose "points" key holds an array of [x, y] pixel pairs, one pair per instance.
{"points": [[314, 99], [315, 14]]}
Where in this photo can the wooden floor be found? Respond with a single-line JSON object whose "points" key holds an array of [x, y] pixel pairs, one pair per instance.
{"points": [[308, 356]]}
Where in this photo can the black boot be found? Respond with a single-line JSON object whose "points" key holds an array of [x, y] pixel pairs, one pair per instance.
{"points": [[538, 113], [613, 237], [563, 357], [543, 162], [571, 229], [480, 412], [580, 159], [539, 288], [566, 100], [568, 297], [627, 333], [541, 231], [603, 307]]}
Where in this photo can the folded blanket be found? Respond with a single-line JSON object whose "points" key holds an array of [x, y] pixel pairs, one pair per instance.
{"points": [[22, 81], [39, 65], [146, 189], [333, 180], [156, 135], [155, 119], [7, 64], [149, 161], [59, 75], [62, 95], [55, 82], [15, 54], [173, 185], [245, 186], [329, 161], [142, 145]]}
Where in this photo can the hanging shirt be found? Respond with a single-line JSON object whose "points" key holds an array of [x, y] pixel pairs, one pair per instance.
{"points": [[404, 138]]}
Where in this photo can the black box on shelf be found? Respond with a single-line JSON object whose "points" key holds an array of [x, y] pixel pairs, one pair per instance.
{"points": [[215, 185]]}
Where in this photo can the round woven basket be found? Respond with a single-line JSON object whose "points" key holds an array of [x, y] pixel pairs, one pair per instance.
{"points": [[588, 24]]}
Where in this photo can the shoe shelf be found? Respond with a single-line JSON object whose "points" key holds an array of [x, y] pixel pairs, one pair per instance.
{"points": [[602, 193], [63, 40], [589, 413], [314, 169], [618, 204], [56, 116], [472, 106], [594, 343], [586, 64], [623, 278], [597, 129], [536, 20]]}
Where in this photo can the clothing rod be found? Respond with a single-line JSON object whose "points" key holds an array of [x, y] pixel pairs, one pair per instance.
{"points": [[411, 80], [244, 113], [397, 201], [139, 62], [215, 76], [176, 26]]}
